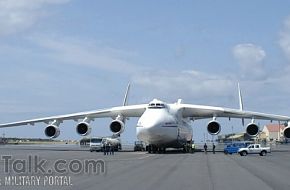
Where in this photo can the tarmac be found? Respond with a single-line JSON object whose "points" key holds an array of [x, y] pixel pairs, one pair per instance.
{"points": [[140, 170]]}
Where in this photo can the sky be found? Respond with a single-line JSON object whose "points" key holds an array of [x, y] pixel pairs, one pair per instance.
{"points": [[66, 56]]}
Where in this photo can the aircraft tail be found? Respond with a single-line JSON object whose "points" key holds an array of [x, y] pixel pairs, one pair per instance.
{"points": [[125, 101], [240, 98], [241, 102]]}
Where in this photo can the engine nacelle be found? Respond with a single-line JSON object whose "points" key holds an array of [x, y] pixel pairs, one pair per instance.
{"points": [[52, 131], [252, 129], [286, 132], [213, 127], [117, 126], [83, 128]]}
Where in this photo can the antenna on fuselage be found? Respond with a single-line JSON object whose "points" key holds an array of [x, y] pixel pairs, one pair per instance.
{"points": [[179, 101]]}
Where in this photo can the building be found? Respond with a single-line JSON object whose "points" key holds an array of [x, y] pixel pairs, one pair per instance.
{"points": [[274, 132], [235, 137], [270, 132]]}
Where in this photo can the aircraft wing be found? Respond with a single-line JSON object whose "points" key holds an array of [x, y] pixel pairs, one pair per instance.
{"points": [[202, 112], [125, 111]]}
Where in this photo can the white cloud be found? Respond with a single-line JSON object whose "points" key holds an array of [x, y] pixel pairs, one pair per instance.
{"points": [[250, 58], [18, 15], [86, 53], [284, 40], [249, 53], [189, 85]]}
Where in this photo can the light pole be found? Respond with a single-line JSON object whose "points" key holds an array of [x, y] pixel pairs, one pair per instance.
{"points": [[259, 136], [232, 134], [279, 132]]}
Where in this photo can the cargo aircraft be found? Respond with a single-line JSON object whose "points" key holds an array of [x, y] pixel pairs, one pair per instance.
{"points": [[160, 125]]}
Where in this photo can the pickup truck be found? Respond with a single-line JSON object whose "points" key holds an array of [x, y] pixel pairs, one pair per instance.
{"points": [[254, 149]]}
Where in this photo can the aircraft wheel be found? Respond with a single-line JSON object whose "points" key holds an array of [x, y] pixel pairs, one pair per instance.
{"points": [[161, 150], [154, 149]]}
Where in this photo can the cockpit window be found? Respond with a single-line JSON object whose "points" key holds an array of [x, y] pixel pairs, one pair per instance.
{"points": [[156, 106]]}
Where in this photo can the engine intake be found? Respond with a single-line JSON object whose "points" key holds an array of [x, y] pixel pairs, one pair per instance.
{"points": [[117, 126], [286, 132], [213, 127], [52, 131], [83, 128], [252, 129]]}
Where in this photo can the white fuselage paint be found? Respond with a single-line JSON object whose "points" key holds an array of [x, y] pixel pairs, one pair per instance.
{"points": [[164, 126]]}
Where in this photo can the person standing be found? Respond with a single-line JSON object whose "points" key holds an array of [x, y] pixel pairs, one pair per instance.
{"points": [[213, 148], [104, 148], [205, 148], [192, 147], [108, 146], [112, 147]]}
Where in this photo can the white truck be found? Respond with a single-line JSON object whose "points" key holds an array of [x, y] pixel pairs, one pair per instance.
{"points": [[115, 142], [97, 143], [254, 149]]}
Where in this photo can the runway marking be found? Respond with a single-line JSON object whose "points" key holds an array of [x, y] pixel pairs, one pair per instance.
{"points": [[145, 157], [252, 172], [135, 158]]}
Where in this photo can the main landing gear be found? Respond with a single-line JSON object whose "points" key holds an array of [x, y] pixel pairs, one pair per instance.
{"points": [[151, 148]]}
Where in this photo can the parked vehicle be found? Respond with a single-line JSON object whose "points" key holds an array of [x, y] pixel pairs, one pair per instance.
{"points": [[97, 143], [113, 141], [233, 148], [139, 146], [254, 149]]}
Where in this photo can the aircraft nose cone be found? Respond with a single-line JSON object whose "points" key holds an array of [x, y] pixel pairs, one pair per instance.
{"points": [[148, 129], [149, 132]]}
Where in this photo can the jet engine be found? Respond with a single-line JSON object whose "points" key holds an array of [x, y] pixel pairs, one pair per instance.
{"points": [[286, 132], [213, 127], [52, 131], [117, 126], [83, 128], [252, 129]]}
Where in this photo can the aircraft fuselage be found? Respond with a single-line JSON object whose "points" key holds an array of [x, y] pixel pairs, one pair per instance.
{"points": [[163, 126]]}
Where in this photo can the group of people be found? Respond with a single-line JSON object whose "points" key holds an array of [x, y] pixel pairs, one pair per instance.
{"points": [[205, 148], [108, 148]]}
